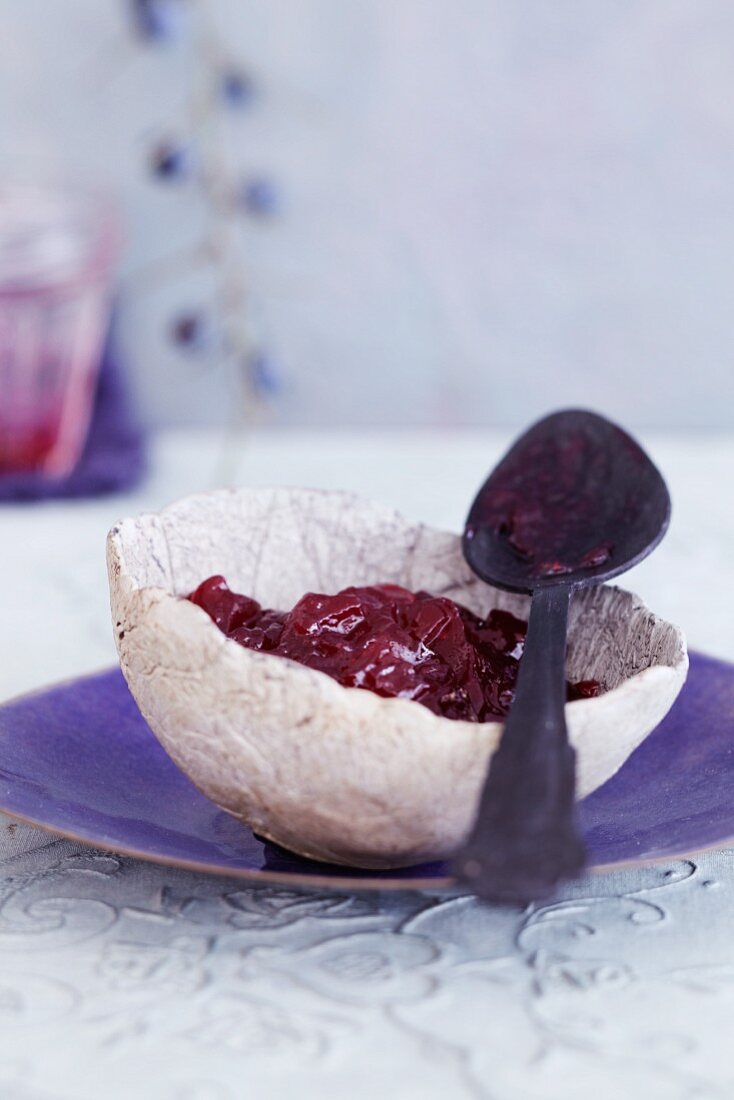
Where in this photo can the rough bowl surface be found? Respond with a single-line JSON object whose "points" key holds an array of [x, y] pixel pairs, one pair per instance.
{"points": [[335, 773]]}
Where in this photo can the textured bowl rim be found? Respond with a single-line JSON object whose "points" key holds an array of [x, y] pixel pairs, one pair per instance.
{"points": [[193, 498]]}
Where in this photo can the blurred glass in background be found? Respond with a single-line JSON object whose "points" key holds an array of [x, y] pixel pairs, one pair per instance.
{"points": [[58, 247]]}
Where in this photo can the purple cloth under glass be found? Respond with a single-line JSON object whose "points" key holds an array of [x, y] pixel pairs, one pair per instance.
{"points": [[114, 456]]}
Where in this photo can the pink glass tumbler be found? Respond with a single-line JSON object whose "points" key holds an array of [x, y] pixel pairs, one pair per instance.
{"points": [[57, 252]]}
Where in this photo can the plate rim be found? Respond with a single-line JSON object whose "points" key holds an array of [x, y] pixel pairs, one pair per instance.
{"points": [[295, 878]]}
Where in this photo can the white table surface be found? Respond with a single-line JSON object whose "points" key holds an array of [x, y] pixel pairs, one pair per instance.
{"points": [[121, 979]]}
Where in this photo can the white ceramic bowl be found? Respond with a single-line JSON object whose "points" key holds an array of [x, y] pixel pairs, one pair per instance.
{"points": [[335, 773]]}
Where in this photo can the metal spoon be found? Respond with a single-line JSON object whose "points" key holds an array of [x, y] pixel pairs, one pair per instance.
{"points": [[573, 503]]}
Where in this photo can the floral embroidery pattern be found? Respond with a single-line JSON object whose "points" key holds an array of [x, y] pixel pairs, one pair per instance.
{"points": [[605, 986]]}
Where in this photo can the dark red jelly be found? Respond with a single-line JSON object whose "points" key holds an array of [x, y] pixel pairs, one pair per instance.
{"points": [[390, 641], [540, 501]]}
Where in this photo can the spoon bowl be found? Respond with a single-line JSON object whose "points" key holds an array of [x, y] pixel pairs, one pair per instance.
{"points": [[574, 501]]}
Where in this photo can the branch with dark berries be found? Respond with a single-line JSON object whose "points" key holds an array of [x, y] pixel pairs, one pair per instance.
{"points": [[197, 157]]}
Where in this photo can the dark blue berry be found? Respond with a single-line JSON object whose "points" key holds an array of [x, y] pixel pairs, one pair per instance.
{"points": [[264, 376], [192, 331], [170, 161], [260, 196], [238, 89], [156, 20]]}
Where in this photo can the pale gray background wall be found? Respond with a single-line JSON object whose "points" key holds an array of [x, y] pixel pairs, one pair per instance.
{"points": [[491, 206]]}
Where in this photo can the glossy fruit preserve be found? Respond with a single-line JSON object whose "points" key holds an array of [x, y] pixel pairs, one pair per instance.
{"points": [[539, 502], [390, 641]]}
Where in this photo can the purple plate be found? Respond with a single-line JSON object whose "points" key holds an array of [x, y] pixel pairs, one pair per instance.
{"points": [[79, 760]]}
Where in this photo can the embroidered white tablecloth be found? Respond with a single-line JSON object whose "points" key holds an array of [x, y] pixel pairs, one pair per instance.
{"points": [[120, 979]]}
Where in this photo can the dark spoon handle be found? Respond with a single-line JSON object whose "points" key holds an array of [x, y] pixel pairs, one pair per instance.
{"points": [[524, 839]]}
